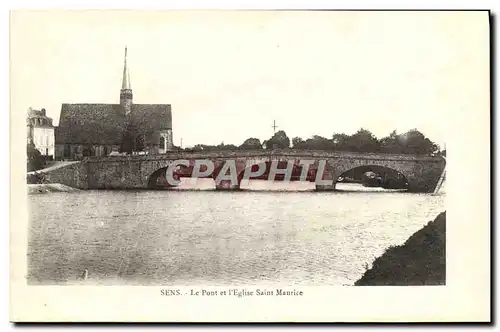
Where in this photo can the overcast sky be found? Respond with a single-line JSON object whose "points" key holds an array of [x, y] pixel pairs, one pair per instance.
{"points": [[228, 75]]}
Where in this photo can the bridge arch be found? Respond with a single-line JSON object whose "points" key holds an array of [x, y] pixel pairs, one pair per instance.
{"points": [[158, 179], [374, 176]]}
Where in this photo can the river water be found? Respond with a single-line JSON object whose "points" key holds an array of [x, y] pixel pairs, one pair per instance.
{"points": [[219, 238]]}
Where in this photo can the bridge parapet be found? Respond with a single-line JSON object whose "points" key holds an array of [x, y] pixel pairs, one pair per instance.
{"points": [[291, 153]]}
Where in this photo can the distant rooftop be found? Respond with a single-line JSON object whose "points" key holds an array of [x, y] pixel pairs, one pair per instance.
{"points": [[38, 118]]}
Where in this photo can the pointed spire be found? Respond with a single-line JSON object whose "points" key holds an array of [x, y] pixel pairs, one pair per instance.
{"points": [[126, 91], [126, 76]]}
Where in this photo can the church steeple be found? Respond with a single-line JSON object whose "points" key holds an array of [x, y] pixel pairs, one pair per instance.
{"points": [[126, 90]]}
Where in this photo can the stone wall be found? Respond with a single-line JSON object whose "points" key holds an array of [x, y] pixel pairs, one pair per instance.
{"points": [[73, 175], [119, 174]]}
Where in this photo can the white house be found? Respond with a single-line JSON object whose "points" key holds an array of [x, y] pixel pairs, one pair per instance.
{"points": [[40, 131]]}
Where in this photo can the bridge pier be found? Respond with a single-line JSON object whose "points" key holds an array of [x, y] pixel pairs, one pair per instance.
{"points": [[226, 185], [327, 176], [424, 181], [323, 187]]}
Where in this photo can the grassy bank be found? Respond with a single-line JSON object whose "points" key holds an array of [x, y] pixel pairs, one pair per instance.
{"points": [[421, 260]]}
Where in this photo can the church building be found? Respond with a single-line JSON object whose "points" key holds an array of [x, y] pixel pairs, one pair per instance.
{"points": [[100, 129]]}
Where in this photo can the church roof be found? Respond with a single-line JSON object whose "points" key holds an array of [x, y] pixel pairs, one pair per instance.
{"points": [[152, 117], [104, 123]]}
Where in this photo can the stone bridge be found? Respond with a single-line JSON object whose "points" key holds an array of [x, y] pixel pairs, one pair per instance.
{"points": [[145, 171]]}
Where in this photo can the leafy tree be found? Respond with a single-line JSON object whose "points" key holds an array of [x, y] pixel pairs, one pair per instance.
{"points": [[391, 143], [279, 141], [201, 147], [314, 143], [35, 158], [87, 151], [297, 143], [319, 143], [415, 142], [340, 142], [411, 142], [251, 144], [132, 139], [223, 146], [363, 141]]}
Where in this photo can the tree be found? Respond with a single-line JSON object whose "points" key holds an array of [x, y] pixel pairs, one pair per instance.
{"points": [[297, 143], [411, 142], [132, 139], [314, 143], [319, 143], [35, 158], [415, 142], [88, 151], [391, 144], [340, 142], [223, 146], [279, 141], [197, 147], [251, 144], [363, 141]]}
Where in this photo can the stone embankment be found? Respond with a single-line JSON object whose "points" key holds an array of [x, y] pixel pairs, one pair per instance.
{"points": [[49, 188], [72, 174], [421, 260]]}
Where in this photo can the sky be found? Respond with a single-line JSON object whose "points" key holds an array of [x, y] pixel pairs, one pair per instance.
{"points": [[229, 75]]}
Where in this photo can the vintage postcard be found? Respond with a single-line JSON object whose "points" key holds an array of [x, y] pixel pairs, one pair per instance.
{"points": [[250, 166]]}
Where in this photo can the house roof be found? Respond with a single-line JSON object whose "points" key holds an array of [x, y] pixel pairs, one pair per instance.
{"points": [[104, 123], [38, 118]]}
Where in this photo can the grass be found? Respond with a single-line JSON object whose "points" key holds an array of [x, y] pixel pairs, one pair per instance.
{"points": [[421, 260]]}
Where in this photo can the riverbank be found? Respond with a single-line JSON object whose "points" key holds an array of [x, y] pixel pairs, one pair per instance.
{"points": [[421, 260], [49, 188]]}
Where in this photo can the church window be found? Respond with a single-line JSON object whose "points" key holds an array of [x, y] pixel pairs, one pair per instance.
{"points": [[162, 142]]}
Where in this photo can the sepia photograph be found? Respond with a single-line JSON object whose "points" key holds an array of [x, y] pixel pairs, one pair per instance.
{"points": [[243, 154]]}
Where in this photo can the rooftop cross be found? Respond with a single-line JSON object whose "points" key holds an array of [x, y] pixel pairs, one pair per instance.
{"points": [[274, 126]]}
